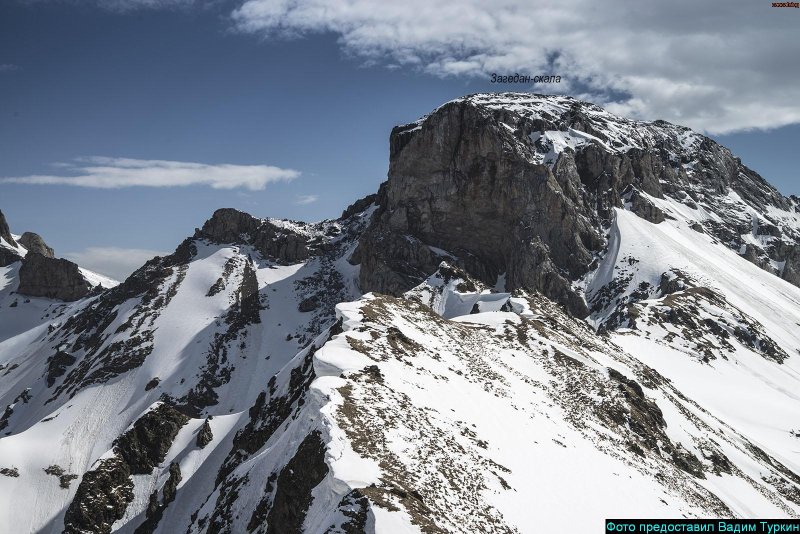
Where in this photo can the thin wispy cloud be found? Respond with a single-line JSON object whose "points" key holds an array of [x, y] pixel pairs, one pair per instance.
{"points": [[715, 67], [303, 200], [132, 5], [8, 67], [113, 173], [114, 262]]}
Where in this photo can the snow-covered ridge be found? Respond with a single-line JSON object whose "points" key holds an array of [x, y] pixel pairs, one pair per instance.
{"points": [[245, 383], [203, 329], [615, 133], [407, 389]]}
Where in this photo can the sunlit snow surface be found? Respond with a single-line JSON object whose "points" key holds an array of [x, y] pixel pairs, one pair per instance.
{"points": [[454, 408]]}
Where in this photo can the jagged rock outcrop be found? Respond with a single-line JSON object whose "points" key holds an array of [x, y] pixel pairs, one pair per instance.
{"points": [[101, 498], [642, 206], [146, 444], [359, 205], [34, 243], [57, 365], [459, 182], [293, 495], [204, 435], [228, 225], [8, 256], [53, 278], [5, 231], [524, 186], [155, 510], [105, 492], [790, 255]]}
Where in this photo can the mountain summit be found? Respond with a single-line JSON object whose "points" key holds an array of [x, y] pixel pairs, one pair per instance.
{"points": [[525, 187], [547, 315]]}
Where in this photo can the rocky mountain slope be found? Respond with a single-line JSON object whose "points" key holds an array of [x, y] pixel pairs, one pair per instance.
{"points": [[548, 315]]}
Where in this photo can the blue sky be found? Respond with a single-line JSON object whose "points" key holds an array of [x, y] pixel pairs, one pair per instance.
{"points": [[218, 84]]}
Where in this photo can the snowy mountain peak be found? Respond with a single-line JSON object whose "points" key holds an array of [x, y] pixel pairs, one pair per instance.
{"points": [[532, 183], [585, 121], [540, 293]]}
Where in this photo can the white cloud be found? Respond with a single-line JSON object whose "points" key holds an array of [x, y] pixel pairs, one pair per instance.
{"points": [[303, 200], [130, 5], [111, 173], [114, 262], [715, 66]]}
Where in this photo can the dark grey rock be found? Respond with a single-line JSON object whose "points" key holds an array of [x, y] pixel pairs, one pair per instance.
{"points": [[105, 492], [267, 415], [228, 225], [57, 365], [64, 478], [8, 256], [790, 254], [205, 435], [147, 443], [359, 205], [34, 243], [101, 498], [155, 510], [642, 206], [12, 472], [458, 184], [5, 231], [309, 304], [52, 278], [297, 479], [171, 485]]}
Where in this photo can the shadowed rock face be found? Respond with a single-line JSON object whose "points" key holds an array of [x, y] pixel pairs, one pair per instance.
{"points": [[34, 243], [146, 445], [5, 232], [293, 492], [228, 225], [459, 184], [8, 256], [791, 270], [105, 492], [52, 278], [475, 179], [101, 498], [205, 435]]}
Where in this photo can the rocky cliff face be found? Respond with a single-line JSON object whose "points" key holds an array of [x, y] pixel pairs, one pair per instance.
{"points": [[520, 188], [457, 183], [5, 232], [228, 225], [41, 276], [8, 256], [34, 243]]}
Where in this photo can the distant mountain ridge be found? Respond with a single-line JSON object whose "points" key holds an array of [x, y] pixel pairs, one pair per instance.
{"points": [[546, 316]]}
